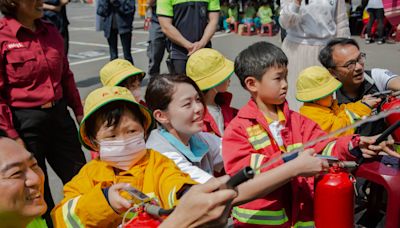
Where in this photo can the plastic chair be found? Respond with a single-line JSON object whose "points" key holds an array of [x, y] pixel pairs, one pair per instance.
{"points": [[389, 178], [234, 27], [249, 29], [267, 29]]}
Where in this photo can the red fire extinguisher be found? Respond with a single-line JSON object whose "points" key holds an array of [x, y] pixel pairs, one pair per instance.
{"points": [[334, 199], [392, 102], [142, 220]]}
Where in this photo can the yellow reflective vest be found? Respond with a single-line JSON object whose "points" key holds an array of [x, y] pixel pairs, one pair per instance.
{"points": [[336, 117], [84, 204]]}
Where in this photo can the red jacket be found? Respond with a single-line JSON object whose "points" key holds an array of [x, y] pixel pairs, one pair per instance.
{"points": [[227, 112], [246, 142], [33, 70]]}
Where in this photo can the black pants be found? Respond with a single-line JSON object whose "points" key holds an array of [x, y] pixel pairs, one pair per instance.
{"points": [[177, 66], [156, 48], [51, 134], [126, 39], [376, 14], [65, 34]]}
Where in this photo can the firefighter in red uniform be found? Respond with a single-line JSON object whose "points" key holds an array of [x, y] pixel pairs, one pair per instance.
{"points": [[36, 86], [265, 128]]}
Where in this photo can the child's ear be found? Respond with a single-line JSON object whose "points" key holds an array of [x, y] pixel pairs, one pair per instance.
{"points": [[250, 83], [161, 117]]}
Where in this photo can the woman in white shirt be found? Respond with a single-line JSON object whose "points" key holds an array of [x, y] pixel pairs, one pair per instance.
{"points": [[309, 25]]}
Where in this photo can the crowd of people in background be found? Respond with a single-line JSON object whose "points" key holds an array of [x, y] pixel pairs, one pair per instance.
{"points": [[178, 142]]}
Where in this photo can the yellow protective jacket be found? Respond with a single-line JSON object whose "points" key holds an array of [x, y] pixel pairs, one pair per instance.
{"points": [[84, 204], [335, 117]]}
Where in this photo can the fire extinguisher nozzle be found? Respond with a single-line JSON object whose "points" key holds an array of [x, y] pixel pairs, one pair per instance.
{"points": [[242, 176], [348, 164], [157, 210]]}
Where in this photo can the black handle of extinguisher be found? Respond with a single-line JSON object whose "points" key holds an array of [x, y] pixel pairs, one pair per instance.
{"points": [[382, 137], [243, 175], [306, 1]]}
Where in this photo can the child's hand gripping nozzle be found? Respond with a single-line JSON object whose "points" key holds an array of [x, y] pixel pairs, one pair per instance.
{"points": [[138, 215], [148, 214]]}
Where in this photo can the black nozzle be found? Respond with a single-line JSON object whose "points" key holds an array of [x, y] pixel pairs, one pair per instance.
{"points": [[243, 175], [382, 94], [157, 210], [387, 132]]}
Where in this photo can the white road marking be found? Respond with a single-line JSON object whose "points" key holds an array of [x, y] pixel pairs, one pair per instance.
{"points": [[138, 50], [71, 29], [96, 45], [134, 50]]}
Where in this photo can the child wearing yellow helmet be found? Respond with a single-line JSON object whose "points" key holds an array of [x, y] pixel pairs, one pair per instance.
{"points": [[121, 72], [116, 125], [315, 87], [212, 71]]}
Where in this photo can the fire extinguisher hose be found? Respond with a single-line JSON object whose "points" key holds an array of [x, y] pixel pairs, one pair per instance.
{"points": [[243, 175], [358, 123]]}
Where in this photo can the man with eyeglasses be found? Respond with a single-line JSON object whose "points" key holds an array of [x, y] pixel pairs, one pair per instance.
{"points": [[343, 58]]}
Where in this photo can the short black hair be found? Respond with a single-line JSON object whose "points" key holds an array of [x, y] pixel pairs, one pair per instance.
{"points": [[8, 7], [127, 81], [111, 114], [256, 59], [3, 134], [325, 55]]}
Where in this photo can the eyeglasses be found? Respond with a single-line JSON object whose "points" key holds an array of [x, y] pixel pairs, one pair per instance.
{"points": [[351, 65]]}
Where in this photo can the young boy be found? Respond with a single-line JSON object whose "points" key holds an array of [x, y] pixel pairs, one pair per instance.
{"points": [[265, 128], [315, 86], [121, 72], [115, 125]]}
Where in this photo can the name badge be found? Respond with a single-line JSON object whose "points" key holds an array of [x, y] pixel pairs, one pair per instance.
{"points": [[17, 45]]}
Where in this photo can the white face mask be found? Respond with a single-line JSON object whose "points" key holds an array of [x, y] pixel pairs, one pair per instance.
{"points": [[137, 93], [123, 154]]}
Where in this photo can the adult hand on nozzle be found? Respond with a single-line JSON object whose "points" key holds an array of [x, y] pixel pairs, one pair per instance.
{"points": [[308, 165], [297, 2], [371, 101], [369, 150], [118, 203], [202, 205]]}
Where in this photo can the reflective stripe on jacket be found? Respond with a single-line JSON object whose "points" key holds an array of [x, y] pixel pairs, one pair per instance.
{"points": [[84, 203], [248, 141], [332, 119]]}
